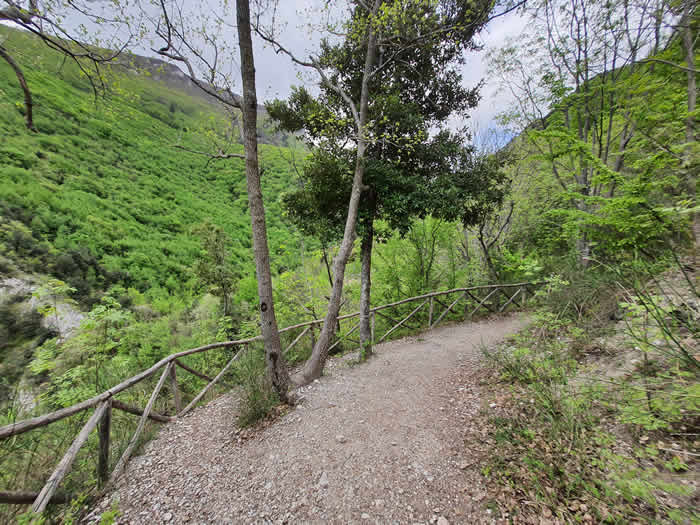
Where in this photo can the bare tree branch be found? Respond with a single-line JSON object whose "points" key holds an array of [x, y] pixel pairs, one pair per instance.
{"points": [[56, 37], [28, 105], [211, 156], [669, 63], [310, 63], [169, 50]]}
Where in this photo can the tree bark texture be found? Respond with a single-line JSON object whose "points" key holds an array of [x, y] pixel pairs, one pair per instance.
{"points": [[276, 364], [365, 289], [314, 365], [690, 64], [690, 136]]}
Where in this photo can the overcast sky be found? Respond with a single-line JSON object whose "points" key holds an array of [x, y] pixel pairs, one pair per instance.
{"points": [[276, 73], [295, 20]]}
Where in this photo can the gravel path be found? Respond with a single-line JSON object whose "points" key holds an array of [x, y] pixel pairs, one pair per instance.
{"points": [[382, 442]]}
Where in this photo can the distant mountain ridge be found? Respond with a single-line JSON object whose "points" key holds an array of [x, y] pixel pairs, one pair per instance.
{"points": [[171, 75]]}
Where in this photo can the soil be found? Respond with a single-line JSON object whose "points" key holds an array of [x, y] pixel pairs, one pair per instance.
{"points": [[380, 442]]}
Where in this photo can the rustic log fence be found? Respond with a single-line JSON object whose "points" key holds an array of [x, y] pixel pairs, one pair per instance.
{"points": [[490, 298]]}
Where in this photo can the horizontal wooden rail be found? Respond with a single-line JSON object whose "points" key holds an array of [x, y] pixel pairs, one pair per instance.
{"points": [[25, 498], [155, 416], [193, 371]]}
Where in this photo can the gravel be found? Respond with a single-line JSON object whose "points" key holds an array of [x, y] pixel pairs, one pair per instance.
{"points": [[382, 442]]}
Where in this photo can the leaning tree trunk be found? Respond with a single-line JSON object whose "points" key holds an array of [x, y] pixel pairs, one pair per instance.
{"points": [[314, 365], [365, 289], [28, 105], [276, 364]]}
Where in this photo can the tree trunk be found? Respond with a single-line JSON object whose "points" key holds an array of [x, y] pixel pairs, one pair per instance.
{"points": [[465, 244], [227, 303], [28, 105], [583, 243], [365, 289], [276, 364], [692, 82], [324, 256], [687, 21], [493, 273], [314, 366], [583, 246]]}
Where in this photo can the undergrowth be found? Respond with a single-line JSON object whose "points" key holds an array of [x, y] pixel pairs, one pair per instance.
{"points": [[576, 444], [258, 397]]}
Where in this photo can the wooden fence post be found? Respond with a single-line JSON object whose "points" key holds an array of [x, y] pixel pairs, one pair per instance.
{"points": [[67, 461], [104, 430], [121, 464], [371, 322], [176, 390], [430, 313]]}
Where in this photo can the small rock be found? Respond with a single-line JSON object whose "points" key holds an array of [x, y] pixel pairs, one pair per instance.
{"points": [[365, 516], [340, 438], [323, 480], [442, 520], [167, 516]]}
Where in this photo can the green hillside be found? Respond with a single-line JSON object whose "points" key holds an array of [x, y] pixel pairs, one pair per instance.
{"points": [[100, 195]]}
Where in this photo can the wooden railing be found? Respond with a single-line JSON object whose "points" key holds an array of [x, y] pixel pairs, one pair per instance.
{"points": [[491, 298]]}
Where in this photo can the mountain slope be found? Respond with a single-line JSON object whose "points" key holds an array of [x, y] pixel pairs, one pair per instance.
{"points": [[101, 196]]}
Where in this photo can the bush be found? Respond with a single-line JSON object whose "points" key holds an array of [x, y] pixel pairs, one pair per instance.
{"points": [[258, 397]]}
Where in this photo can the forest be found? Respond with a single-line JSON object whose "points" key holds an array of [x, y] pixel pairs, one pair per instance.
{"points": [[155, 204]]}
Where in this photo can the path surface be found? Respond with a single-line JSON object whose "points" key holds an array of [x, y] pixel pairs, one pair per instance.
{"points": [[382, 442]]}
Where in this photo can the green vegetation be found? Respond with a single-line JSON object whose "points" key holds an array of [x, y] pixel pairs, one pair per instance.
{"points": [[596, 418], [600, 428], [101, 197], [99, 208], [107, 210], [259, 397]]}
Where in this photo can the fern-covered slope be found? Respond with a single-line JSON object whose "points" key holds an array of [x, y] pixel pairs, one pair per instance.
{"points": [[101, 196]]}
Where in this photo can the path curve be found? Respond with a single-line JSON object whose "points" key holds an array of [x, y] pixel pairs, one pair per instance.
{"points": [[382, 442]]}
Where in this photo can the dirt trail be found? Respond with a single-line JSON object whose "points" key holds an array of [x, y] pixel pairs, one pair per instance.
{"points": [[382, 442]]}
